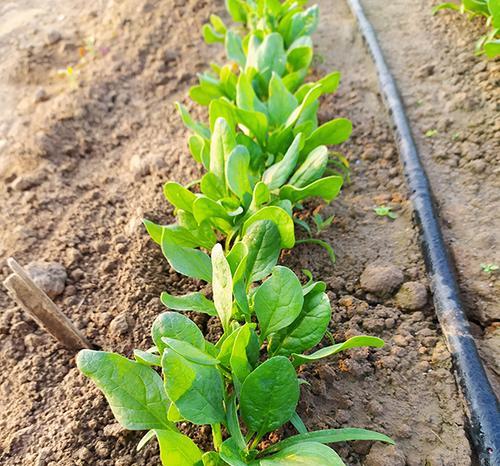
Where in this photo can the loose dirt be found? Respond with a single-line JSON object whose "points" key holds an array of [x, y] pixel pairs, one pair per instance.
{"points": [[80, 170], [448, 89]]}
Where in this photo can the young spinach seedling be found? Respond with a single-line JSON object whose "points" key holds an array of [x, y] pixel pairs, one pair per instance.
{"points": [[322, 223], [384, 211], [489, 268]]}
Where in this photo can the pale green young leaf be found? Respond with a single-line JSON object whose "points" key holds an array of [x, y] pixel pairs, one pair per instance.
{"points": [[280, 218], [210, 35], [180, 235], [261, 195], [330, 82], [173, 414], [326, 188], [178, 449], [277, 174], [334, 132], [330, 436], [300, 53], [270, 56], [194, 126], [154, 230], [304, 453], [212, 458], [207, 210], [293, 80], [226, 345], [190, 352], [187, 261], [222, 108], [353, 342], [246, 99], [218, 24], [234, 48], [492, 48], [196, 144], [175, 325], [179, 196], [311, 96], [233, 423], [254, 121], [146, 358], [245, 353], [236, 255], [281, 101], [311, 169], [236, 10], [231, 454], [237, 171], [222, 143], [190, 302], [222, 285], [240, 282], [211, 187]]}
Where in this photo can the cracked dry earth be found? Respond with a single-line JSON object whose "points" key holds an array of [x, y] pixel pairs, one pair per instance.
{"points": [[80, 166]]}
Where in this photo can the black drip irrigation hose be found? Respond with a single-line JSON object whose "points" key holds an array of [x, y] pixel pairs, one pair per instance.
{"points": [[482, 403]]}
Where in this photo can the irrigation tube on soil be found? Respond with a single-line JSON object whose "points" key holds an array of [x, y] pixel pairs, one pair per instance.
{"points": [[482, 402]]}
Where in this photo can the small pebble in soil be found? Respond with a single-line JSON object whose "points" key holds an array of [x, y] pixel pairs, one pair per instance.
{"points": [[385, 455], [77, 274], [25, 182], [119, 325], [412, 296], [426, 70], [53, 37], [41, 95], [381, 279], [49, 276], [113, 430]]}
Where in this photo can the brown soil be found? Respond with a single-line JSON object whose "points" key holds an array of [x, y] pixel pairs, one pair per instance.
{"points": [[447, 88], [80, 170]]}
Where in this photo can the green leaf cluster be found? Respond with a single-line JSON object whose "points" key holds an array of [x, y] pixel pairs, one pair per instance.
{"points": [[489, 43], [245, 384], [262, 150], [263, 153]]}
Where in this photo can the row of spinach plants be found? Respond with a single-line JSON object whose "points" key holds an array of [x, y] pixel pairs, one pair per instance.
{"points": [[264, 153]]}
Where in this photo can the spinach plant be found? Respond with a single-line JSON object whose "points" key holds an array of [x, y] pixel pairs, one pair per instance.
{"points": [[264, 153], [262, 150], [237, 192], [244, 385]]}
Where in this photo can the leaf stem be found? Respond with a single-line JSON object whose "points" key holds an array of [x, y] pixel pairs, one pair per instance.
{"points": [[227, 244], [217, 436], [255, 442], [321, 243]]}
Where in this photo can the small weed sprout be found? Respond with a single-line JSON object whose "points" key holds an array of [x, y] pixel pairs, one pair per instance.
{"points": [[431, 133], [384, 211], [321, 223], [489, 268]]}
